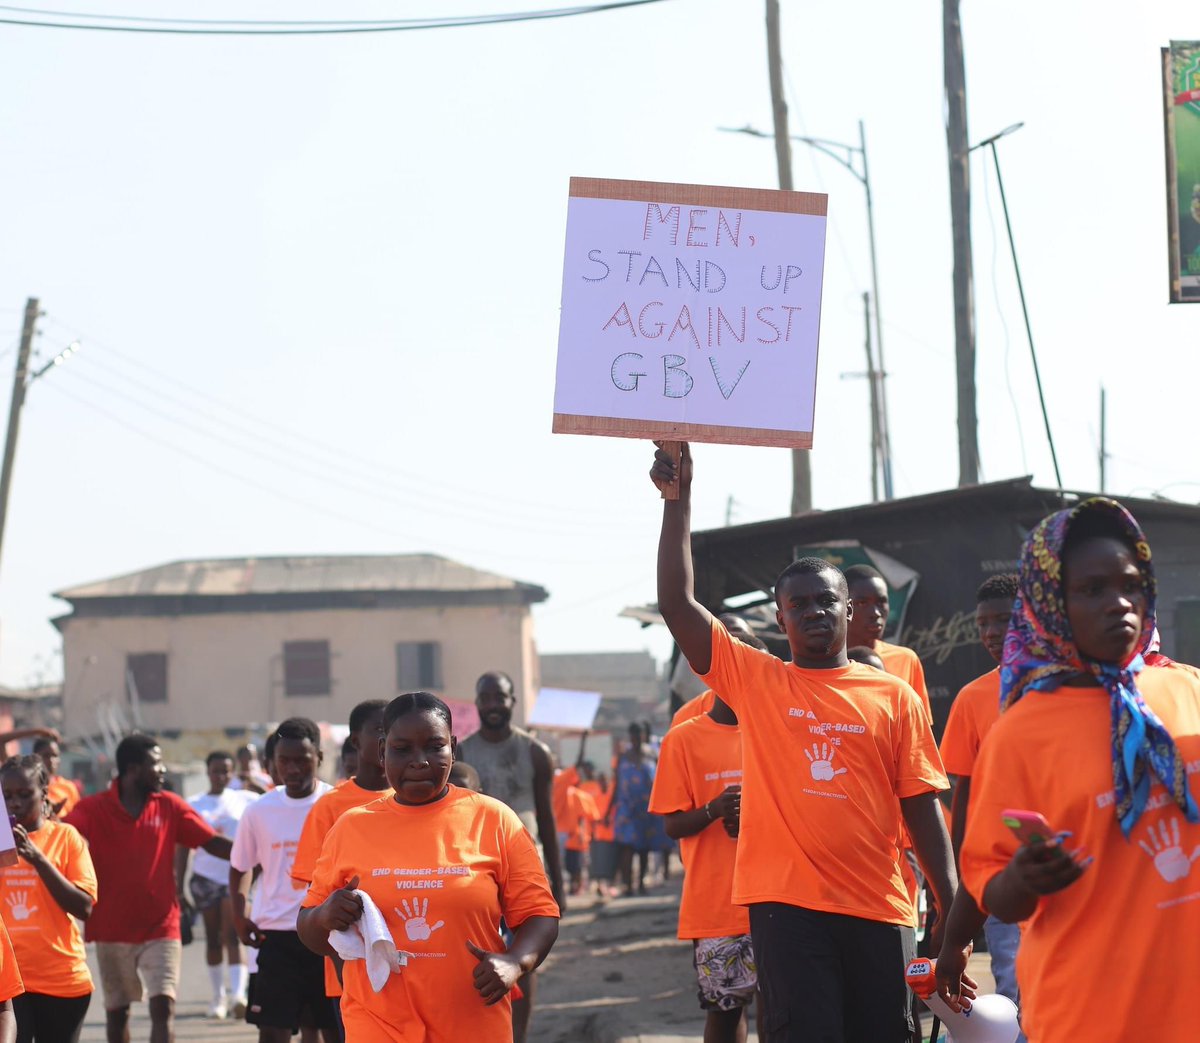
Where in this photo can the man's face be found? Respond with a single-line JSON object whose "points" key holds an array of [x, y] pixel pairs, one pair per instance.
{"points": [[869, 597], [246, 757], [220, 769], [495, 701], [991, 619], [51, 757], [296, 762], [813, 612], [367, 741], [149, 775], [736, 626]]}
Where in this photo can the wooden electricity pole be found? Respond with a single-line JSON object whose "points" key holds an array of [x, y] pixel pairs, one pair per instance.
{"points": [[20, 382], [960, 220], [801, 463]]}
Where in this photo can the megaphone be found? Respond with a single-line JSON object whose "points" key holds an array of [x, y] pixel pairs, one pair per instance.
{"points": [[991, 1018]]}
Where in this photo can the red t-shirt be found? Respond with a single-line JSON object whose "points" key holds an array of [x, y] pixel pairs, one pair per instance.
{"points": [[135, 863]]}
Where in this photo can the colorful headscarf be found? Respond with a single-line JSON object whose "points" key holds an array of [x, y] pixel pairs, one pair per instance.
{"points": [[1040, 654]]}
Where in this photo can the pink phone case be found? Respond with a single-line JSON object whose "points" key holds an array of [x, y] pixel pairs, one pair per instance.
{"points": [[1028, 826]]}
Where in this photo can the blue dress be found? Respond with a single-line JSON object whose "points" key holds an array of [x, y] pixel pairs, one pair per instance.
{"points": [[633, 824]]}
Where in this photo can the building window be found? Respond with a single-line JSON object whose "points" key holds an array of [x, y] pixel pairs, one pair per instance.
{"points": [[146, 677], [306, 668], [418, 665]]}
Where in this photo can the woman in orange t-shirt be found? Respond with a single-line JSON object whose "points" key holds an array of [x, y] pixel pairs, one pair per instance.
{"points": [[53, 882], [442, 865], [1107, 751]]}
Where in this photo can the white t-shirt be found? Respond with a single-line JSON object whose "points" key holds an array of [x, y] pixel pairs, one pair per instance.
{"points": [[222, 812], [267, 836]]}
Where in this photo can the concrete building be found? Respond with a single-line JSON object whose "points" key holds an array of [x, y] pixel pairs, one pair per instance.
{"points": [[213, 650]]}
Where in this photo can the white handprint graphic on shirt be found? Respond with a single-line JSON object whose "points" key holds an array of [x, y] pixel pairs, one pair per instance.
{"points": [[821, 762], [17, 903], [415, 924], [1170, 861]]}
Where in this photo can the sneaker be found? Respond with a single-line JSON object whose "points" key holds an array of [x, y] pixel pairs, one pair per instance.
{"points": [[216, 1011]]}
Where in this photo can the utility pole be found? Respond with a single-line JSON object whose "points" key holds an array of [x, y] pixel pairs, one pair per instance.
{"points": [[873, 385], [960, 219], [801, 462], [14, 410], [1103, 439]]}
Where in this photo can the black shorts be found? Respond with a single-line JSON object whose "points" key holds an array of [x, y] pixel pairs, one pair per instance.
{"points": [[289, 988], [829, 978]]}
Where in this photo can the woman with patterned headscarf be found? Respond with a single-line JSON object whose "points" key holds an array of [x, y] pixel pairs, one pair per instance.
{"points": [[1101, 746]]}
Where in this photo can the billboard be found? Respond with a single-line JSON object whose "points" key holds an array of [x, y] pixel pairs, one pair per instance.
{"points": [[1181, 111]]}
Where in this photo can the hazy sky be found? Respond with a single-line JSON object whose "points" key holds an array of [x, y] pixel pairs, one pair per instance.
{"points": [[317, 280]]}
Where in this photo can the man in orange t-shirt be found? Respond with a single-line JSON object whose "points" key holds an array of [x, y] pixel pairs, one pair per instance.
{"points": [[366, 731], [697, 786], [835, 754], [62, 794], [974, 710]]}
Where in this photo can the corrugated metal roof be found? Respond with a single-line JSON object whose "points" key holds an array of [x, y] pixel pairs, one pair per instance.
{"points": [[225, 577]]}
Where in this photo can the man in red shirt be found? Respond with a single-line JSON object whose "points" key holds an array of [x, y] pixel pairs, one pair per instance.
{"points": [[132, 829]]}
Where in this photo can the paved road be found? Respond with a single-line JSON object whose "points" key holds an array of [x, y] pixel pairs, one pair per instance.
{"points": [[190, 1022]]}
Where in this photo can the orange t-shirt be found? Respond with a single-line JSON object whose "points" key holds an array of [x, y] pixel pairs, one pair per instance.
{"points": [[64, 790], [559, 803], [442, 874], [702, 703], [583, 814], [10, 973], [826, 754], [974, 710], [44, 935], [905, 664], [698, 759], [325, 812], [1109, 956], [600, 797]]}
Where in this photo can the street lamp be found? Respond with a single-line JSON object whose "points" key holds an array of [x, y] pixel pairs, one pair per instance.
{"points": [[990, 143], [845, 155]]}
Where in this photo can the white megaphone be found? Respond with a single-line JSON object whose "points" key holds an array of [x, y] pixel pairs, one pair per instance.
{"points": [[991, 1018]]}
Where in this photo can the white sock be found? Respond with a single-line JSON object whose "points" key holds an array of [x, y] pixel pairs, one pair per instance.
{"points": [[216, 975], [237, 981]]}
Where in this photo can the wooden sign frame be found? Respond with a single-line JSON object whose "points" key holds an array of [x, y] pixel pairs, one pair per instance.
{"points": [[715, 198]]}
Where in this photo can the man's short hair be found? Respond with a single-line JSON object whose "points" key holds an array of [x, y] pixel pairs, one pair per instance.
{"points": [[499, 675], [269, 744], [216, 755], [753, 640], [866, 656], [808, 566], [1003, 585], [854, 573], [299, 728], [364, 711], [41, 743], [134, 750]]}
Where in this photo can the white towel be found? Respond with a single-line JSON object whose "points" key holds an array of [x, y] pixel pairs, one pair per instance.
{"points": [[369, 939]]}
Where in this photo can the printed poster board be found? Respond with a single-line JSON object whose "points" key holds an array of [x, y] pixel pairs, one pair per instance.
{"points": [[1181, 111], [690, 312]]}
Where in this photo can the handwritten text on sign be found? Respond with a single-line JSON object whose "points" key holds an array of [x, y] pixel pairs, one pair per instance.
{"points": [[681, 315]]}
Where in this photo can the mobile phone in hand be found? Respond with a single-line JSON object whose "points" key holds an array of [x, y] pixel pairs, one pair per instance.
{"points": [[1029, 827]]}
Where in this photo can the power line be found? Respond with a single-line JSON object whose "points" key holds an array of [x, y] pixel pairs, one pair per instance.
{"points": [[340, 458], [235, 27]]}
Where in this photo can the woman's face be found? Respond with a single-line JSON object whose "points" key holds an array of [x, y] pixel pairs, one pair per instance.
{"points": [[1106, 598], [23, 797], [417, 753]]}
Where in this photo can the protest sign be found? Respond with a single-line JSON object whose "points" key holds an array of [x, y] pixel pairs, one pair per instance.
{"points": [[564, 708], [690, 312]]}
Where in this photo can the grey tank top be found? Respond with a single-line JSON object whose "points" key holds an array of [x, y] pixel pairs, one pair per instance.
{"points": [[506, 772]]}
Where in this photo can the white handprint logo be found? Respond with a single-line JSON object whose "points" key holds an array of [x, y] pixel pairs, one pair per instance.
{"points": [[17, 903], [415, 924], [1170, 861], [821, 762]]}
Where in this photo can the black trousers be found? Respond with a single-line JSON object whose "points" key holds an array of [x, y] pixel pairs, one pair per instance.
{"points": [[49, 1019], [829, 978]]}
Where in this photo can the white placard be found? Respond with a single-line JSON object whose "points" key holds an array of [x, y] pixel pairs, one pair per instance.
{"points": [[690, 311], [564, 708]]}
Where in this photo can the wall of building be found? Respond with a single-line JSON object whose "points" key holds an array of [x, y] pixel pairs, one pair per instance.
{"points": [[226, 670]]}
